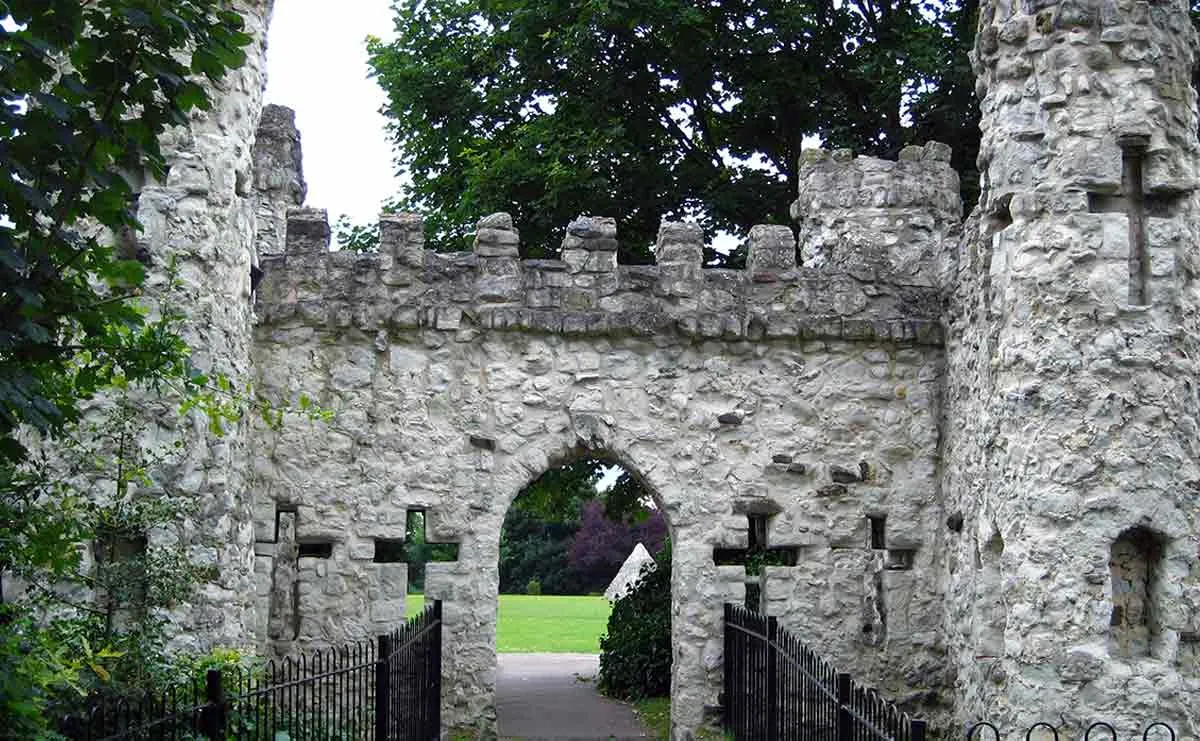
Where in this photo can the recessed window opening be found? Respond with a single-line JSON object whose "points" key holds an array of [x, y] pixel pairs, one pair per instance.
{"points": [[1134, 565], [315, 549], [878, 536]]}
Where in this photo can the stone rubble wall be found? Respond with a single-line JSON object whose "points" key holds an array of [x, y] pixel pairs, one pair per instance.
{"points": [[201, 217], [279, 187], [1019, 421], [455, 380], [1071, 411], [406, 286], [878, 219], [456, 422], [278, 177]]}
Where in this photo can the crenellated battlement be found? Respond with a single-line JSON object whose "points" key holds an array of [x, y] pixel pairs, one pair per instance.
{"points": [[586, 292], [880, 219], [874, 242]]}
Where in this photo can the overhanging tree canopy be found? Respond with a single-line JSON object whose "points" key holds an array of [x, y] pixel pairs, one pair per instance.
{"points": [[643, 109], [86, 89]]}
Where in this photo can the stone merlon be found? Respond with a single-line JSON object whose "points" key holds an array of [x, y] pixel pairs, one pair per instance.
{"points": [[869, 273]]}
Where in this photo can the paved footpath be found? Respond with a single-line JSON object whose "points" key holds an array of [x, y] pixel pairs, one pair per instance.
{"points": [[553, 696]]}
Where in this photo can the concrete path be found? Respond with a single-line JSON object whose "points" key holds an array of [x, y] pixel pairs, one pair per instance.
{"points": [[553, 696]]}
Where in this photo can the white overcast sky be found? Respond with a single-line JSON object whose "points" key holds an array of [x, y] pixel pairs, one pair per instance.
{"points": [[317, 65]]}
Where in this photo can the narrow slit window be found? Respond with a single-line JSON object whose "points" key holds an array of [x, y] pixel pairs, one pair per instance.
{"points": [[1133, 565], [878, 534], [316, 549]]}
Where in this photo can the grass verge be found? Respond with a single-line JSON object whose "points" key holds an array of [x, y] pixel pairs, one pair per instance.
{"points": [[655, 712], [545, 623]]}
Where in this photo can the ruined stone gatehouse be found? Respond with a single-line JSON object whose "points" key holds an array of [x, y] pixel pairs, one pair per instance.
{"points": [[976, 438]]}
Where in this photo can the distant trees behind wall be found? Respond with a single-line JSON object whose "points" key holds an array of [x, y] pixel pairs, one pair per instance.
{"points": [[571, 539], [643, 109]]}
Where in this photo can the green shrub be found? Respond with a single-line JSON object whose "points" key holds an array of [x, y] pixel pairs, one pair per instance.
{"points": [[635, 652], [533, 587]]}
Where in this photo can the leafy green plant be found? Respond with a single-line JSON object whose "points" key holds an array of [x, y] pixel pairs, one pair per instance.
{"points": [[87, 91], [356, 237], [635, 654], [655, 712], [87, 619], [534, 587], [644, 109]]}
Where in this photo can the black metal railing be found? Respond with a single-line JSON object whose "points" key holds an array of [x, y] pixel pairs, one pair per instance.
{"points": [[1098, 731], [408, 698], [778, 689], [385, 689]]}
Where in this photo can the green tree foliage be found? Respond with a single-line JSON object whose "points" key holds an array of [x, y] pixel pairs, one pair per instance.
{"points": [[643, 109], [360, 238], [542, 531], [534, 549], [86, 91], [559, 494], [85, 625], [635, 652]]}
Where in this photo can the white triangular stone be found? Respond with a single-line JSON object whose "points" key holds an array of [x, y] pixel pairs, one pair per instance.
{"points": [[631, 571]]}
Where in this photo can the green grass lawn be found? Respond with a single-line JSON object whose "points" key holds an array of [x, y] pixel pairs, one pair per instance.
{"points": [[544, 624]]}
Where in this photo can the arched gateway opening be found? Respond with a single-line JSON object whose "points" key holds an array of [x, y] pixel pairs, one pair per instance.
{"points": [[784, 417], [564, 545]]}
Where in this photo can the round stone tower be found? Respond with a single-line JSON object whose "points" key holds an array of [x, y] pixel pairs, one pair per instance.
{"points": [[200, 220], [1071, 441]]}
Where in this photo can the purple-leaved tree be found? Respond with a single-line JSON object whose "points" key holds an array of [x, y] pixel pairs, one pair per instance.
{"points": [[602, 545]]}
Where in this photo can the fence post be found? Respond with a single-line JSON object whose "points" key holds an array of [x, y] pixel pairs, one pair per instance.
{"points": [[435, 669], [212, 717], [727, 672], [916, 730], [772, 681], [845, 726], [383, 689]]}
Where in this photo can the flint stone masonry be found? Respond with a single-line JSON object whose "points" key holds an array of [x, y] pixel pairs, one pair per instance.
{"points": [[692, 378], [278, 176], [586, 293], [407, 401], [201, 219], [977, 440], [1070, 409], [875, 219]]}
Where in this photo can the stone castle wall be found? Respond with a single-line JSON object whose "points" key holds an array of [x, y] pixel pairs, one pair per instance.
{"points": [[1070, 454], [201, 219], [455, 380], [979, 439]]}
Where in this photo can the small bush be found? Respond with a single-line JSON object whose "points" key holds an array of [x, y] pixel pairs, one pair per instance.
{"points": [[533, 587], [635, 652]]}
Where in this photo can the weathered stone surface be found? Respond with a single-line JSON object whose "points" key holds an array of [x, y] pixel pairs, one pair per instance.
{"points": [[979, 439], [201, 219], [404, 438], [278, 177], [1070, 407], [772, 251], [629, 574], [877, 219]]}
